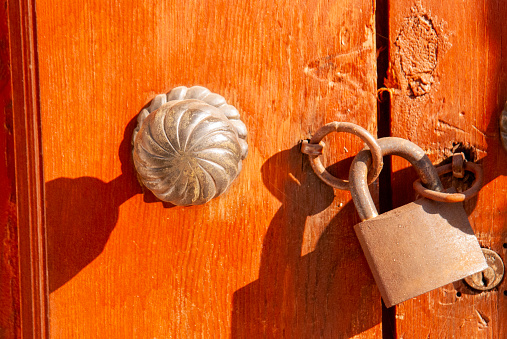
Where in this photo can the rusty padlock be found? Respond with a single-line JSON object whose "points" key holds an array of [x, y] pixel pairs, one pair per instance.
{"points": [[417, 247]]}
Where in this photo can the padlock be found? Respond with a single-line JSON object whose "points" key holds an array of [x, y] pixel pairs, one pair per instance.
{"points": [[417, 247]]}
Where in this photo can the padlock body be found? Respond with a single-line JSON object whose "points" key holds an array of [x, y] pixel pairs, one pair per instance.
{"points": [[419, 247]]}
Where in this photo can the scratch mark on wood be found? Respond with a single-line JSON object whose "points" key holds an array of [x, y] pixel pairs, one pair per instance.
{"points": [[445, 125], [294, 179], [483, 320], [480, 132]]}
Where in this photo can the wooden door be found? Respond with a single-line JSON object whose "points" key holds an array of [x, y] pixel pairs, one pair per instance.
{"points": [[449, 99], [276, 255]]}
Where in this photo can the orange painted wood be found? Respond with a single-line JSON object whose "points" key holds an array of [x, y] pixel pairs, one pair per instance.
{"points": [[274, 257], [10, 317], [448, 73], [27, 156]]}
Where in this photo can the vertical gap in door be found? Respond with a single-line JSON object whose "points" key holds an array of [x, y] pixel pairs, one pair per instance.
{"points": [[384, 130]]}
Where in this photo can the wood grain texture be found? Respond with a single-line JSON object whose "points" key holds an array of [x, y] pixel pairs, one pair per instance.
{"points": [[28, 165], [449, 74], [276, 256], [10, 317]]}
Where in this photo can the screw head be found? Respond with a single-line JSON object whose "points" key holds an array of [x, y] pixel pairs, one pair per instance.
{"points": [[491, 276]]}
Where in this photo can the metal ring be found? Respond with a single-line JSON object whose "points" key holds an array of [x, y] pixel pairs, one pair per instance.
{"points": [[348, 127], [453, 197]]}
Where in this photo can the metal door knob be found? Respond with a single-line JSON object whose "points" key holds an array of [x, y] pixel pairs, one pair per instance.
{"points": [[188, 145]]}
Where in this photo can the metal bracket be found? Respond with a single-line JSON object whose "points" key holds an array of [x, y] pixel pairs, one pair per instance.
{"points": [[503, 126]]}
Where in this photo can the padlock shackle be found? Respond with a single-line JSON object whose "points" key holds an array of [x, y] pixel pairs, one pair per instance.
{"points": [[390, 146]]}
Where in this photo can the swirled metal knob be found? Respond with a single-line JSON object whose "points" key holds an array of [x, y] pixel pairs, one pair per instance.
{"points": [[188, 146]]}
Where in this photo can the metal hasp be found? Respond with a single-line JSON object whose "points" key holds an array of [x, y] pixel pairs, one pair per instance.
{"points": [[418, 247], [314, 149], [503, 127], [491, 277], [189, 145]]}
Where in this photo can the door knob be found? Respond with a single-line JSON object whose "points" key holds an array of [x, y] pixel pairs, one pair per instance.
{"points": [[188, 145]]}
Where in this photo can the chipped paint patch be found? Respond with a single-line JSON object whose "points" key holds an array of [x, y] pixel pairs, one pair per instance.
{"points": [[340, 69], [440, 152], [419, 46], [346, 85]]}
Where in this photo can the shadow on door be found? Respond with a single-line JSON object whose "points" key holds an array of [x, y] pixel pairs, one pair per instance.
{"points": [[82, 212], [327, 293]]}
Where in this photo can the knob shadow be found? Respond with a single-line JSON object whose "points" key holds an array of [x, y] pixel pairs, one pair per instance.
{"points": [[82, 212]]}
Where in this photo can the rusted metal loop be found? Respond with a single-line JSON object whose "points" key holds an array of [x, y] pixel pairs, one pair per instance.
{"points": [[453, 197], [348, 127], [389, 146], [312, 149], [458, 165]]}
